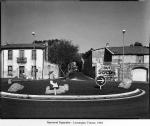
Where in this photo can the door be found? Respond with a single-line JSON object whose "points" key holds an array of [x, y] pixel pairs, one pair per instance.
{"points": [[21, 71], [33, 72], [139, 74]]}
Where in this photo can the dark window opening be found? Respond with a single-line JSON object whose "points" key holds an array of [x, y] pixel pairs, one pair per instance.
{"points": [[140, 59], [10, 54], [10, 69], [33, 54]]}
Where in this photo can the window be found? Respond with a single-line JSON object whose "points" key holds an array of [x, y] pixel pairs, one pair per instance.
{"points": [[140, 59], [33, 70], [33, 54], [9, 70], [21, 53], [9, 54]]}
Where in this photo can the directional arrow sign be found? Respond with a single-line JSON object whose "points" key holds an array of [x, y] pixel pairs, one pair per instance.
{"points": [[100, 80], [55, 85]]}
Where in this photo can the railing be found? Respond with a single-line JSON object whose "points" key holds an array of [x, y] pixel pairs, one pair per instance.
{"points": [[21, 60]]}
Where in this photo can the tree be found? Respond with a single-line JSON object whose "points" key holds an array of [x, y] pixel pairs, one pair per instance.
{"points": [[62, 52], [138, 44]]}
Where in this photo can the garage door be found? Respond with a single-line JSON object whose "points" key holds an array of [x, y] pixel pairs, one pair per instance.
{"points": [[139, 74]]}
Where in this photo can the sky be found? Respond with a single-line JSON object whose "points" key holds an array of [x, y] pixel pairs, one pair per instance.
{"points": [[86, 24]]}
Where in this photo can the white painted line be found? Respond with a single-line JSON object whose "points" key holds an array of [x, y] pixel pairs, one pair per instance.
{"points": [[127, 95], [67, 96]]}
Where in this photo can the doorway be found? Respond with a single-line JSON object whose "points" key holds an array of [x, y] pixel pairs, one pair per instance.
{"points": [[21, 71], [139, 74]]}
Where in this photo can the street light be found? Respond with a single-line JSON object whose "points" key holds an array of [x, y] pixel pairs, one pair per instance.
{"points": [[123, 31], [34, 68]]}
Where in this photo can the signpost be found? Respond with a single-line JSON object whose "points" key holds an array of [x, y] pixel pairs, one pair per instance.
{"points": [[100, 81], [55, 85]]}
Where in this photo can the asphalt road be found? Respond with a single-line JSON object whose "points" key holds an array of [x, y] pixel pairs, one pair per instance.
{"points": [[137, 108]]}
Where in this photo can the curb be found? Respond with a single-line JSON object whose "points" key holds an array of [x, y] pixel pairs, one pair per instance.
{"points": [[128, 95]]}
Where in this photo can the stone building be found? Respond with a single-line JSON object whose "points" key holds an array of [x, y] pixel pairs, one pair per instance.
{"points": [[109, 60]]}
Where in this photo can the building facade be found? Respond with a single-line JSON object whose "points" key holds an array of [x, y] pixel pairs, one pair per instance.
{"points": [[111, 63], [134, 63], [25, 60]]}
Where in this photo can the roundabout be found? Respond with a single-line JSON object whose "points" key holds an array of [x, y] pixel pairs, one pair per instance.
{"points": [[82, 99], [77, 87]]}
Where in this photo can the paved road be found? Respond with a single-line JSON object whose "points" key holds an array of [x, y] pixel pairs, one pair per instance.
{"points": [[129, 108]]}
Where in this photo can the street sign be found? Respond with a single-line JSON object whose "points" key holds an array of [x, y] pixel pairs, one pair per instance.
{"points": [[55, 85], [100, 80]]}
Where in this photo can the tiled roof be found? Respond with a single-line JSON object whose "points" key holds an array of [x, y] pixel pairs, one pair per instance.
{"points": [[22, 46], [129, 50]]}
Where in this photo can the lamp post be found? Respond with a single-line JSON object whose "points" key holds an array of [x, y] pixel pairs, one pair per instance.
{"points": [[44, 53], [34, 68], [123, 31]]}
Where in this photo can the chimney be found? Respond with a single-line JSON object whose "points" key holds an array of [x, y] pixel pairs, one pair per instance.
{"points": [[107, 44]]}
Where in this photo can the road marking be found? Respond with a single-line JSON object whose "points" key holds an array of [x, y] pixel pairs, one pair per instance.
{"points": [[75, 98]]}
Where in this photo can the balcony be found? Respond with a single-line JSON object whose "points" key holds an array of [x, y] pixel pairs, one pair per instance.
{"points": [[22, 60]]}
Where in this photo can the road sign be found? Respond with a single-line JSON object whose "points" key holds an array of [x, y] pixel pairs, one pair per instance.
{"points": [[54, 84], [105, 70], [100, 80]]}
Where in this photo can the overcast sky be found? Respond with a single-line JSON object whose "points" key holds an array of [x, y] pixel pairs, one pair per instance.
{"points": [[87, 24]]}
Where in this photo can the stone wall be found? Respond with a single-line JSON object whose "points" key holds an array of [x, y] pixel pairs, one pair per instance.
{"points": [[128, 67]]}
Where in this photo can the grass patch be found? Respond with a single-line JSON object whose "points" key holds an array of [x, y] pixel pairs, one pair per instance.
{"points": [[38, 87]]}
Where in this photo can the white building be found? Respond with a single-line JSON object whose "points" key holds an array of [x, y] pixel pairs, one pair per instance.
{"points": [[18, 60]]}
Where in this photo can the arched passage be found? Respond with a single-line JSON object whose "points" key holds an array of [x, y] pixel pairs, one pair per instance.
{"points": [[139, 74]]}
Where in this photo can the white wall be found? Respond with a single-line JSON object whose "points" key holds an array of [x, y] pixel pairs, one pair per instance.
{"points": [[127, 58], [30, 62], [14, 63], [146, 59], [39, 63], [2, 60], [98, 56]]}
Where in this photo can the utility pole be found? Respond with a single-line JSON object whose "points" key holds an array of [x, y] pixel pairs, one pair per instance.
{"points": [[123, 31], [34, 67]]}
